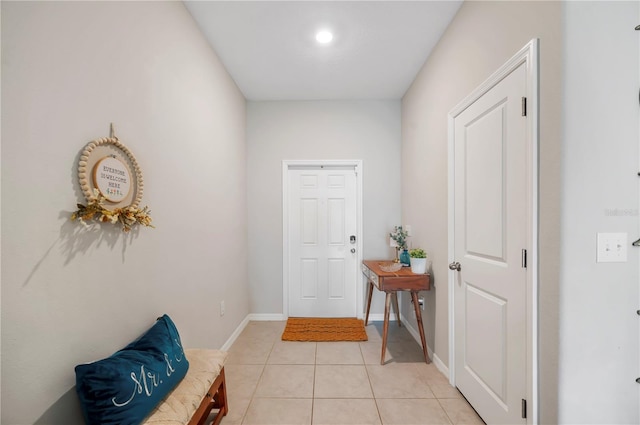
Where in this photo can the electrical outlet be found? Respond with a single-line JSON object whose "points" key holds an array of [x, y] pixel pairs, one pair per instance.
{"points": [[612, 248], [222, 308], [420, 303]]}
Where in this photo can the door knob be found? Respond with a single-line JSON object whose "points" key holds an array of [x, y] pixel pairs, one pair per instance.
{"points": [[455, 266], [353, 250]]}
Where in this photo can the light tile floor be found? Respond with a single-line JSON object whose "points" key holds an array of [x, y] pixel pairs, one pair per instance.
{"points": [[272, 382]]}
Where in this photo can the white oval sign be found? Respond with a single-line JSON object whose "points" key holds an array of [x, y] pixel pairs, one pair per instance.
{"points": [[112, 178]]}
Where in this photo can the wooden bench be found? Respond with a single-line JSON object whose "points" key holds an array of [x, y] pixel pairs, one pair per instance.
{"points": [[201, 390]]}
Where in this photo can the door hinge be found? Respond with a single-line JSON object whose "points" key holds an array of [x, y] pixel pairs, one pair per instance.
{"points": [[524, 409], [524, 106], [524, 258]]}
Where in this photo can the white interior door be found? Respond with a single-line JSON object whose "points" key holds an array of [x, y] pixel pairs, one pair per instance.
{"points": [[322, 241], [490, 235]]}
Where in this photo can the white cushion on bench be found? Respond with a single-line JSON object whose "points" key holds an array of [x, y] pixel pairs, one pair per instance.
{"points": [[180, 405]]}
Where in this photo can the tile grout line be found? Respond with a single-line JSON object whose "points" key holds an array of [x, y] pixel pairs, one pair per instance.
{"points": [[445, 411], [375, 399], [253, 393], [313, 386], [264, 368]]}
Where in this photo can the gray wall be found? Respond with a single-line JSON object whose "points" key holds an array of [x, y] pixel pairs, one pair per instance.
{"points": [[71, 296], [482, 37], [598, 301], [366, 130]]}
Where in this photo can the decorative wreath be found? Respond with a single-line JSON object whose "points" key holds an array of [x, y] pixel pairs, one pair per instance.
{"points": [[108, 173]]}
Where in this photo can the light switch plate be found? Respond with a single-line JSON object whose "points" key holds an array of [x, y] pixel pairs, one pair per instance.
{"points": [[612, 248]]}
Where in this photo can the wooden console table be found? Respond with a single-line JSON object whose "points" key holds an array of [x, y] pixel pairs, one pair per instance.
{"points": [[391, 283]]}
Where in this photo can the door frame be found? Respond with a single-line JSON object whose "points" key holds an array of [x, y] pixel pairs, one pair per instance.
{"points": [[286, 165], [528, 55]]}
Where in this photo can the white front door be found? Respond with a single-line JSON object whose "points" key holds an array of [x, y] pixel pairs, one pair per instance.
{"points": [[491, 163], [322, 241]]}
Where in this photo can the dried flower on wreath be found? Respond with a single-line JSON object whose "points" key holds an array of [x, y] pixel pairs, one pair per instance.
{"points": [[127, 216]]}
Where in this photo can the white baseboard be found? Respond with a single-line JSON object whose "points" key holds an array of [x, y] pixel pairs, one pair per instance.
{"points": [[267, 317], [379, 317], [245, 322], [440, 365], [416, 335], [433, 356], [236, 333]]}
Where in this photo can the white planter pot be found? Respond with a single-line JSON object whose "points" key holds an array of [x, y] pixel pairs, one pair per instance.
{"points": [[419, 265]]}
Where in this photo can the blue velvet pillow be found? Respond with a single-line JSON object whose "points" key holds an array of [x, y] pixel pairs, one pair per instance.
{"points": [[124, 388]]}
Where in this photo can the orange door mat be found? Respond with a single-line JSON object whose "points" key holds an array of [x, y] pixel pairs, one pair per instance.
{"points": [[323, 329]]}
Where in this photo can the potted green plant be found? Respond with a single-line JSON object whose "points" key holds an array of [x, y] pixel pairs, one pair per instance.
{"points": [[418, 260]]}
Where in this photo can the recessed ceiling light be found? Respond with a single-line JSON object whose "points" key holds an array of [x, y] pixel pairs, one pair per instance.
{"points": [[324, 37]]}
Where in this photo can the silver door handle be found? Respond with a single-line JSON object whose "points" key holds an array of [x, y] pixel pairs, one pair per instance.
{"points": [[353, 250], [455, 266]]}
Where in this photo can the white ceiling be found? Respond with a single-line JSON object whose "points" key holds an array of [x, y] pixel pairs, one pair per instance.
{"points": [[269, 47]]}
